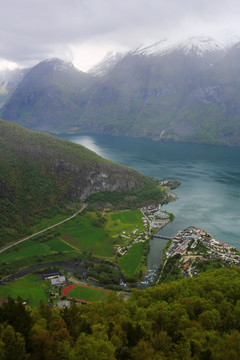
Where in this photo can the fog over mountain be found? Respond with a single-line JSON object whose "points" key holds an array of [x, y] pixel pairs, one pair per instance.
{"points": [[186, 91], [84, 31]]}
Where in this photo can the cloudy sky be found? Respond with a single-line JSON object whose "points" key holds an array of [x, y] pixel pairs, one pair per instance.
{"points": [[83, 31]]}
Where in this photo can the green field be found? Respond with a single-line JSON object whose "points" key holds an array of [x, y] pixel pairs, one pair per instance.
{"points": [[78, 235], [130, 262], [58, 245], [126, 220], [84, 236], [87, 293], [29, 288], [46, 222], [25, 250], [30, 251]]}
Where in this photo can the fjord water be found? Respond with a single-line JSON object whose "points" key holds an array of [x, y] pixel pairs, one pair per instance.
{"points": [[209, 196]]}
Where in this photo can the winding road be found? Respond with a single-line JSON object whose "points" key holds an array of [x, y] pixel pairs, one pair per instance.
{"points": [[42, 231]]}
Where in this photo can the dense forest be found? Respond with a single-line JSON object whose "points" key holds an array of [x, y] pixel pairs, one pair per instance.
{"points": [[187, 319]]}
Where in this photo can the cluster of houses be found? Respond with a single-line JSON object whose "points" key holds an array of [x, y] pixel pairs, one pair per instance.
{"points": [[185, 242], [153, 217], [128, 239], [223, 251], [194, 244]]}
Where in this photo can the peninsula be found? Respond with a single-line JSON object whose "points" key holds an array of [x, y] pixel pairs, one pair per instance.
{"points": [[192, 251]]}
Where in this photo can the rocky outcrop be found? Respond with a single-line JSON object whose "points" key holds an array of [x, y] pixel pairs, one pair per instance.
{"points": [[81, 182]]}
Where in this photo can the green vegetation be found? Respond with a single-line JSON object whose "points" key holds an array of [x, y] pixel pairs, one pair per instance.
{"points": [[79, 236], [130, 199], [82, 235], [209, 265], [130, 263], [47, 222], [126, 221], [29, 288], [21, 251], [171, 271], [58, 245], [127, 217], [187, 319], [86, 293], [36, 185], [42, 248], [104, 273]]}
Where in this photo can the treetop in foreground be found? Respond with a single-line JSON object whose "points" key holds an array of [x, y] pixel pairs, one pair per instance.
{"points": [[187, 319]]}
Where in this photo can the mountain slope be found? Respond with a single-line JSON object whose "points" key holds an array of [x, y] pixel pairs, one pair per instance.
{"points": [[39, 172], [50, 95], [9, 80], [186, 92]]}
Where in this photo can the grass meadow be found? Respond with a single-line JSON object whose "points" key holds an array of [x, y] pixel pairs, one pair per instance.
{"points": [[130, 262], [126, 221], [82, 235], [29, 288]]}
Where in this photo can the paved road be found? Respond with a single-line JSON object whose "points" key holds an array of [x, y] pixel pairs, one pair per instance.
{"points": [[40, 232], [149, 221]]}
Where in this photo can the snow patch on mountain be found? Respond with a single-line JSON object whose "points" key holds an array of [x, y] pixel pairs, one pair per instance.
{"points": [[59, 65]]}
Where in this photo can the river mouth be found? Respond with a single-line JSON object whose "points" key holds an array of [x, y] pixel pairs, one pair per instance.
{"points": [[155, 256]]}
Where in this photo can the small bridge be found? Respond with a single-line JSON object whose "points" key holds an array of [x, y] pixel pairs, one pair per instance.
{"points": [[162, 237]]}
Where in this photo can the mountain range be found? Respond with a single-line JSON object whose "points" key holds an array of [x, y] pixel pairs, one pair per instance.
{"points": [[185, 91]]}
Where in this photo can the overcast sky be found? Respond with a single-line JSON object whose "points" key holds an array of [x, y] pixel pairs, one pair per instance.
{"points": [[83, 31]]}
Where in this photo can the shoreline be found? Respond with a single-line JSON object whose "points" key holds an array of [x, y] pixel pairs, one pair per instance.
{"points": [[192, 251], [169, 185]]}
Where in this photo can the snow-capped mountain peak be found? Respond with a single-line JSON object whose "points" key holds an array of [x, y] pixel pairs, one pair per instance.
{"points": [[201, 45], [59, 64], [197, 45]]}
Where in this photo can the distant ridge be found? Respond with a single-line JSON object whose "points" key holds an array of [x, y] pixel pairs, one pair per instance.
{"points": [[182, 91], [49, 96]]}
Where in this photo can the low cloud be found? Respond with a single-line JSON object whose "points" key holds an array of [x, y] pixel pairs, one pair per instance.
{"points": [[31, 31]]}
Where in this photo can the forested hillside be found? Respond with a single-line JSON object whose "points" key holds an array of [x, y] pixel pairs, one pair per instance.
{"points": [[189, 319], [40, 173]]}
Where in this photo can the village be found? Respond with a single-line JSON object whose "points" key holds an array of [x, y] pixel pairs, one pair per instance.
{"points": [[153, 220], [194, 248]]}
